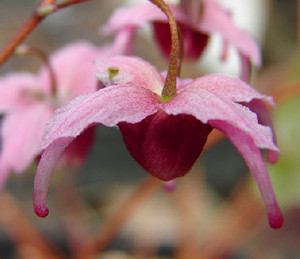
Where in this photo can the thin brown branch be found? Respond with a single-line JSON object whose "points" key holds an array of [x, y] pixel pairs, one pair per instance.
{"points": [[20, 229], [33, 21], [117, 220]]}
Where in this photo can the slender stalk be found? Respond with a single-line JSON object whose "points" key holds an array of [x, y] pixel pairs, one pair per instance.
{"points": [[26, 237], [170, 84], [26, 50], [33, 21], [117, 220]]}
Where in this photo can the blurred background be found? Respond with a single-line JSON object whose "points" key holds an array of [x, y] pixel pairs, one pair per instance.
{"points": [[215, 209]]}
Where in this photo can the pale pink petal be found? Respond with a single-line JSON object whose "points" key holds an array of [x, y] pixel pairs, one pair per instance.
{"points": [[74, 70], [134, 17], [228, 87], [216, 19], [206, 106], [44, 171], [17, 90], [123, 41], [75, 154], [252, 156], [108, 106], [240, 125], [132, 70], [21, 135]]}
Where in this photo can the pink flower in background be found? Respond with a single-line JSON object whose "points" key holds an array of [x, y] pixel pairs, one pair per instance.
{"points": [[27, 102], [164, 137], [197, 21]]}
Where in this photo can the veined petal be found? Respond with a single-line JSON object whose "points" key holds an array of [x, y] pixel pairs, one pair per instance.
{"points": [[74, 69], [131, 70], [206, 106], [108, 106], [252, 156], [228, 87], [21, 135], [17, 90], [44, 171], [216, 19]]}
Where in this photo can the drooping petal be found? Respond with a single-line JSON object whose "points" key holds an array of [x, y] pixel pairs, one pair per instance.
{"points": [[107, 106], [123, 42], [74, 70], [44, 171], [216, 19], [240, 125], [135, 16], [131, 70], [21, 135], [17, 90], [228, 87], [75, 154], [206, 106], [166, 146], [252, 156]]}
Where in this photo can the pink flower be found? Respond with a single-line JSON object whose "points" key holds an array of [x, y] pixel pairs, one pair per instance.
{"points": [[27, 102], [197, 21], [164, 136]]}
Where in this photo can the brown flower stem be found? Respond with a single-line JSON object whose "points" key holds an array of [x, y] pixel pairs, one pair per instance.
{"points": [[117, 220], [32, 22], [170, 84], [26, 50], [28, 240]]}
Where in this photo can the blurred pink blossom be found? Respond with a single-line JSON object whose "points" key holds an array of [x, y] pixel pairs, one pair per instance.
{"points": [[27, 102], [197, 21], [164, 137]]}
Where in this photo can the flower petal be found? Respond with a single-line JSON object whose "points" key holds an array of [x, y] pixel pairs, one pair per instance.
{"points": [[16, 90], [166, 146], [135, 16], [228, 87], [74, 69], [108, 106], [21, 135], [216, 19], [240, 125], [206, 106], [252, 156], [44, 171], [133, 70]]}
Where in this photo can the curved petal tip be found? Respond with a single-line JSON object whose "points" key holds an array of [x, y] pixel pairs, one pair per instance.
{"points": [[272, 156], [275, 217], [41, 211]]}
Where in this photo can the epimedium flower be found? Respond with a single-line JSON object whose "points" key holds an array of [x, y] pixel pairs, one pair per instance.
{"points": [[165, 134], [197, 19], [28, 100]]}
